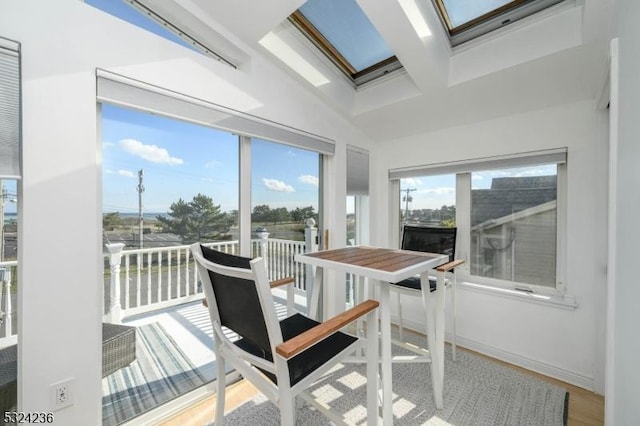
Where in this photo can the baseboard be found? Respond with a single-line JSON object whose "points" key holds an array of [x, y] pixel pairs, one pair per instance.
{"points": [[564, 375]]}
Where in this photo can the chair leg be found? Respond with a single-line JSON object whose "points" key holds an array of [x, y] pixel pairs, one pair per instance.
{"points": [[287, 409], [222, 385]]}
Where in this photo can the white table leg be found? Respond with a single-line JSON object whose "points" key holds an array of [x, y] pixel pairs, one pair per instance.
{"points": [[385, 329], [315, 294], [372, 368], [434, 307]]}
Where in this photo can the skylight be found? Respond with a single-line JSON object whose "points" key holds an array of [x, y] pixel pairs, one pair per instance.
{"points": [[138, 14], [341, 30], [465, 20]]}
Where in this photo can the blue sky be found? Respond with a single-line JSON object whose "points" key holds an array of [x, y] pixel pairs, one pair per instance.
{"points": [[128, 13], [349, 30], [461, 11], [181, 159]]}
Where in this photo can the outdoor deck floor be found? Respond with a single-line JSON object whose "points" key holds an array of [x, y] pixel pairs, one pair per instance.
{"points": [[155, 378], [190, 327]]}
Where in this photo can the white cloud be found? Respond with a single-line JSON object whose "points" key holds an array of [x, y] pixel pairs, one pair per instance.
{"points": [[411, 182], [440, 191], [126, 173], [311, 180], [152, 153], [277, 185]]}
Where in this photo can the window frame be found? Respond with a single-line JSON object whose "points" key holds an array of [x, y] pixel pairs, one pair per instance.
{"points": [[463, 223], [358, 78], [497, 18]]}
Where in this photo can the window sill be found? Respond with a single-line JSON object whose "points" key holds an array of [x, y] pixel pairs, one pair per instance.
{"points": [[557, 301]]}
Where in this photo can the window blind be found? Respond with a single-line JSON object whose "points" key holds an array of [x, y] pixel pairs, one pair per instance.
{"points": [[554, 156], [357, 171], [9, 110], [123, 91]]}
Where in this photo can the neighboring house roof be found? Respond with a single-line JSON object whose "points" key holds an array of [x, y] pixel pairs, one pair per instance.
{"points": [[510, 195]]}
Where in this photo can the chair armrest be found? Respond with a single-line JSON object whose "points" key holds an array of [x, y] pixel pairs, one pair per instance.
{"points": [[283, 281], [302, 341], [449, 265]]}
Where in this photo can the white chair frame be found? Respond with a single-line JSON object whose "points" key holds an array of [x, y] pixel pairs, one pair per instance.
{"points": [[283, 394]]}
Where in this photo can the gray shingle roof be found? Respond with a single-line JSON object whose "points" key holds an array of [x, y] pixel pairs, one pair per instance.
{"points": [[509, 195]]}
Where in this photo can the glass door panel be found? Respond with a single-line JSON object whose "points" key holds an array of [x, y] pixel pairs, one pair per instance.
{"points": [[285, 194], [166, 184]]}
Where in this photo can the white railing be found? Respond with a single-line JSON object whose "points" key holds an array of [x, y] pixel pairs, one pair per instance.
{"points": [[144, 280], [8, 274]]}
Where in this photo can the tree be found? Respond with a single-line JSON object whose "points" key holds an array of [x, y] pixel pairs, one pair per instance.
{"points": [[206, 218], [178, 220], [111, 220], [196, 220], [261, 213], [279, 215], [302, 214]]}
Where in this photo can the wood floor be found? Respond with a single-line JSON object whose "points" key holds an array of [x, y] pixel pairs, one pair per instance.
{"points": [[585, 407]]}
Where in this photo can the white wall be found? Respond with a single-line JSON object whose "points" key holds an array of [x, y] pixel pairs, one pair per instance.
{"points": [[60, 256], [623, 392], [568, 344]]}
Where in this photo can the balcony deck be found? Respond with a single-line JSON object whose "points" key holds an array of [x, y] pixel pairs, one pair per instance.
{"points": [[127, 394]]}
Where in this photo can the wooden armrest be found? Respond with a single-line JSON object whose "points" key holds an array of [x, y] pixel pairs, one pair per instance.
{"points": [[283, 281], [449, 265], [302, 341]]}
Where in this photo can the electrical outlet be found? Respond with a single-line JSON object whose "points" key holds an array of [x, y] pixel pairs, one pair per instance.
{"points": [[61, 394]]}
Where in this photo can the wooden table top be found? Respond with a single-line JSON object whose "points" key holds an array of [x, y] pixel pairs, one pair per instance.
{"points": [[381, 263]]}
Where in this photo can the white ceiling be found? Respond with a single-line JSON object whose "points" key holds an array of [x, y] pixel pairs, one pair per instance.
{"points": [[555, 57]]}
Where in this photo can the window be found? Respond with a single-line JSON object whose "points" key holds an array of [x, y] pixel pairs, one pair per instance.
{"points": [[142, 16], [514, 224], [341, 30], [428, 200], [466, 20], [508, 212]]}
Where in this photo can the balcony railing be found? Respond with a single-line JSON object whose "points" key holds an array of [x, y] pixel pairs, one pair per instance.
{"points": [[145, 280]]}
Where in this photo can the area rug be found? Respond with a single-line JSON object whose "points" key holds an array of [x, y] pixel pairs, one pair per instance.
{"points": [[160, 373], [477, 391]]}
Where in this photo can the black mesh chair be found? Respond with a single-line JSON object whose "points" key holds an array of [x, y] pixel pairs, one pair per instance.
{"points": [[430, 240], [279, 357]]}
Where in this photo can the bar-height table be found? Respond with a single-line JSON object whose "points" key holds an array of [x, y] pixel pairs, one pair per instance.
{"points": [[384, 266]]}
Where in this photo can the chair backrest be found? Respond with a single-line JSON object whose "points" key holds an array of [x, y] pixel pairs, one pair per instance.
{"points": [[236, 299], [429, 239]]}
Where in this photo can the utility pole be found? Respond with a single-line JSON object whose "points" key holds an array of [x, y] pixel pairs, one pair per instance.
{"points": [[407, 199], [140, 190]]}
